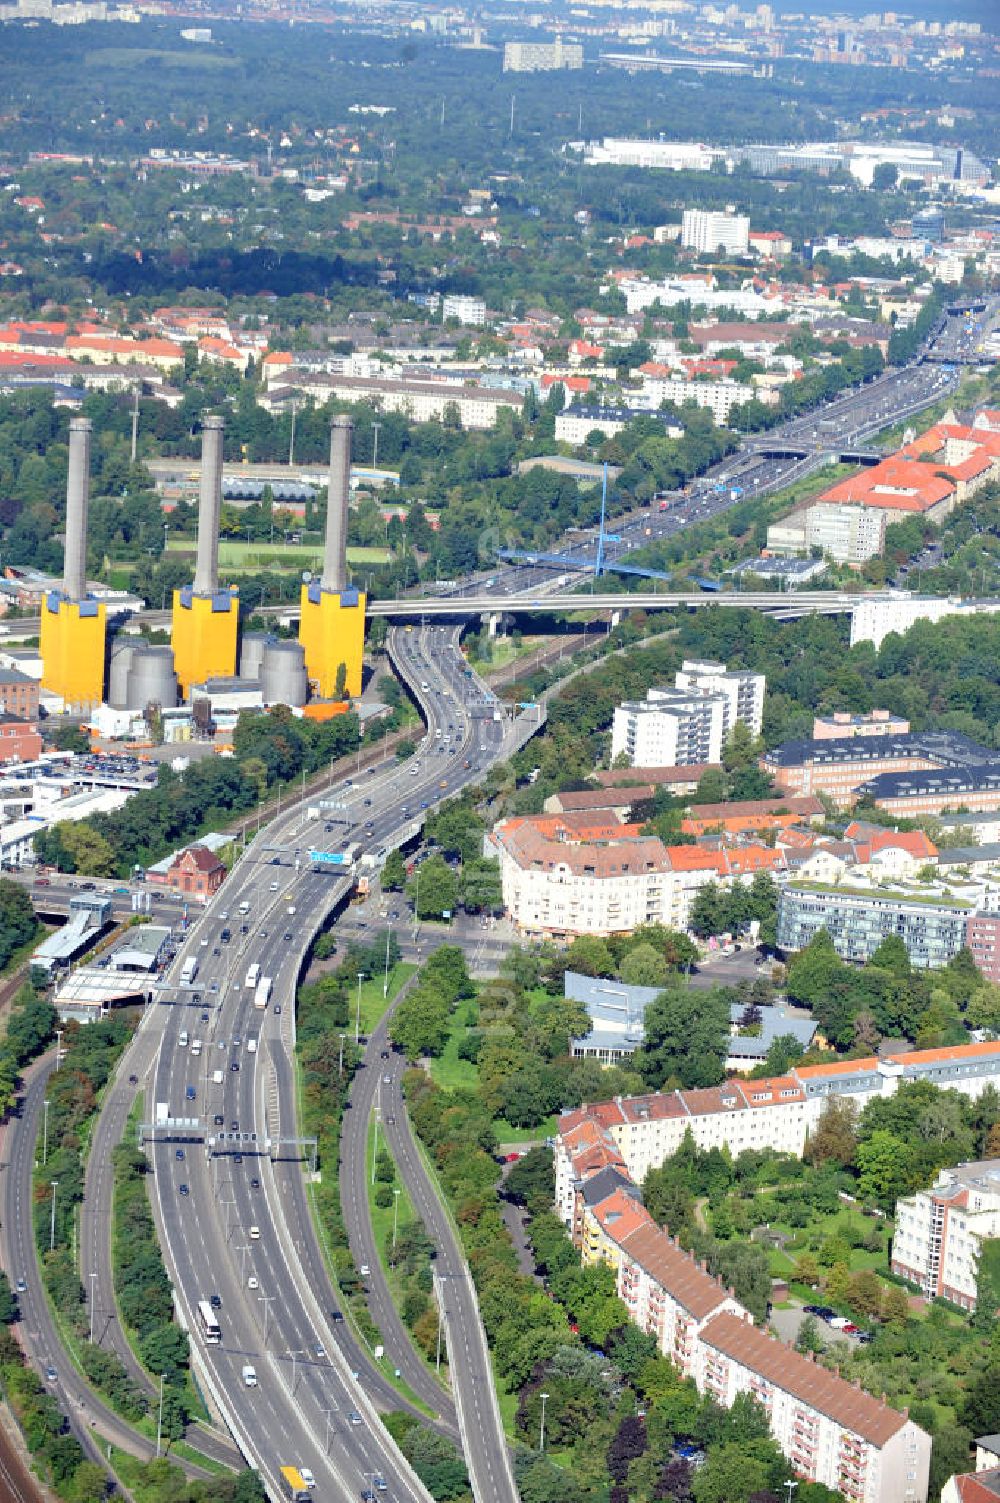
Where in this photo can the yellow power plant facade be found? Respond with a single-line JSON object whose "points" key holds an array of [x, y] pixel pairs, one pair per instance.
{"points": [[332, 631], [72, 644], [203, 635]]}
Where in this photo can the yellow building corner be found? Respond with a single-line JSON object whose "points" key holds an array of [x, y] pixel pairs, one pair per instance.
{"points": [[332, 631], [73, 637], [203, 636]]}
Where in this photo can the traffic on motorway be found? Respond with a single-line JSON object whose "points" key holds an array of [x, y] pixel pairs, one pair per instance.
{"points": [[221, 1126]]}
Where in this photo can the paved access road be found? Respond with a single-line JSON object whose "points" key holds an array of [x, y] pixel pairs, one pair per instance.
{"points": [[37, 1331], [376, 1091]]}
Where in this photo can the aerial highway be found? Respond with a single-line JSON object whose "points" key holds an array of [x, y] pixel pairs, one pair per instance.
{"points": [[237, 1220]]}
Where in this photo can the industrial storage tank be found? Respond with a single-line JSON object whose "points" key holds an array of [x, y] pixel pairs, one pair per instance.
{"points": [[252, 649], [283, 675], [151, 679], [122, 652]]}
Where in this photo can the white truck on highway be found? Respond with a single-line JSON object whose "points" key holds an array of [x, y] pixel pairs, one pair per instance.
{"points": [[189, 970], [249, 1375], [262, 995], [253, 975]]}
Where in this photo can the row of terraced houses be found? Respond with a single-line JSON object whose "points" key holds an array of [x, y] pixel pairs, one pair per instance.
{"points": [[830, 1430]]}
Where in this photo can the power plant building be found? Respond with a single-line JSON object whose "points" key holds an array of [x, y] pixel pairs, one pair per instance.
{"points": [[332, 619], [73, 623], [205, 618]]}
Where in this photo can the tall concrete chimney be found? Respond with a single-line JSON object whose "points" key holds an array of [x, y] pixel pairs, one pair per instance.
{"points": [[338, 495], [206, 574], [77, 498]]}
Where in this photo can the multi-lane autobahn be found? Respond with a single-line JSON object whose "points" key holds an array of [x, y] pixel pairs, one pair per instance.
{"points": [[239, 1230]]}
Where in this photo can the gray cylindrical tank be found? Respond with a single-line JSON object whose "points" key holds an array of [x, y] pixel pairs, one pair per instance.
{"points": [[283, 674], [252, 649], [151, 679], [122, 653]]}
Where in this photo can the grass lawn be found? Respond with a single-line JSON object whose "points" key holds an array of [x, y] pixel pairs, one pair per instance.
{"points": [[507, 1134], [452, 1073], [373, 1003], [252, 556], [382, 1224]]}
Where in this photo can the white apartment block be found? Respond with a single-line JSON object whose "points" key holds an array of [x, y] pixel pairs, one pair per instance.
{"points": [[421, 401], [720, 397], [830, 1430], [541, 57], [705, 232], [872, 620], [560, 880], [743, 691], [670, 728], [846, 534], [467, 310], [643, 1131], [939, 1232], [691, 722]]}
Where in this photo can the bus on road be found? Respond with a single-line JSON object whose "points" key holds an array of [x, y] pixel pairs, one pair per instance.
{"points": [[253, 975], [293, 1485], [210, 1328], [262, 995], [189, 970]]}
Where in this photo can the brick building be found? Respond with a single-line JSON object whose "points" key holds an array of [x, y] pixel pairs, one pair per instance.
{"points": [[19, 740], [197, 872]]}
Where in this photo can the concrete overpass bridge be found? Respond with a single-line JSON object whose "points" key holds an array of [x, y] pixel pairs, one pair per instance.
{"points": [[799, 603]]}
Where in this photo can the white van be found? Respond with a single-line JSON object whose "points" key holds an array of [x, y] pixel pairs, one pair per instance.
{"points": [[251, 1046], [217, 1077], [182, 1041], [254, 1233], [196, 1046], [249, 1376]]}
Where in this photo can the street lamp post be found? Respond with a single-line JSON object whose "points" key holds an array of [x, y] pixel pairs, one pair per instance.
{"points": [[357, 1016], [52, 1219], [385, 983], [45, 1132], [395, 1214], [59, 1034], [159, 1418], [378, 1116], [340, 1064], [541, 1431], [295, 1355], [790, 1487], [93, 1276]]}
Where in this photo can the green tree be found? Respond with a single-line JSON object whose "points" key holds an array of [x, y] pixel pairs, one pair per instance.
{"points": [[644, 966], [434, 889], [686, 1038], [885, 1167], [394, 873]]}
